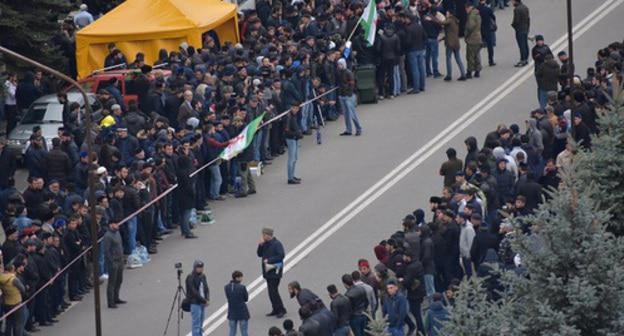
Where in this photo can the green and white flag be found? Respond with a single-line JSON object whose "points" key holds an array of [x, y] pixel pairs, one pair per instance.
{"points": [[369, 22], [241, 141]]}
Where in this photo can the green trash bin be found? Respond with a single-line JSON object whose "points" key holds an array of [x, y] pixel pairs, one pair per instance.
{"points": [[366, 84]]}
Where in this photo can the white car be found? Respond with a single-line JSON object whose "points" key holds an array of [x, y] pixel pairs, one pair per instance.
{"points": [[47, 113]]}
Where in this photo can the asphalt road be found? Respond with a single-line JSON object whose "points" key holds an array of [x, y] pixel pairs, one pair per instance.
{"points": [[358, 174]]}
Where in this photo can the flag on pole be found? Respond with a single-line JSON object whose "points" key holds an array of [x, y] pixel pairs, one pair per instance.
{"points": [[405, 3], [241, 141], [369, 22]]}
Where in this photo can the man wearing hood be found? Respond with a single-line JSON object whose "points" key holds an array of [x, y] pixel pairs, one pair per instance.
{"points": [[389, 48], [436, 316], [472, 149]]}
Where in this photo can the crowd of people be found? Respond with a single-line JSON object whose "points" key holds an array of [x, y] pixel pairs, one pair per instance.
{"points": [[472, 224], [289, 54]]}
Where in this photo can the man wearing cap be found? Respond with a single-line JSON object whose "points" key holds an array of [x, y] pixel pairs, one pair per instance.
{"points": [[126, 144], [540, 51], [271, 252], [198, 294]]}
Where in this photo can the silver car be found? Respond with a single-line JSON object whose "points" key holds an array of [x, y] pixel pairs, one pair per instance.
{"points": [[47, 113]]}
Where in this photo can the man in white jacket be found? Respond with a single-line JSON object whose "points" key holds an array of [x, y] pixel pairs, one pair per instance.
{"points": [[466, 237]]}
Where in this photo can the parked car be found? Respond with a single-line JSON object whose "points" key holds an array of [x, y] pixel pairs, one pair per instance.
{"points": [[47, 113]]}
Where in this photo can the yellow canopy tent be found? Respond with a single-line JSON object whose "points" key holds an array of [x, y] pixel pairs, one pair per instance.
{"points": [[148, 25]]}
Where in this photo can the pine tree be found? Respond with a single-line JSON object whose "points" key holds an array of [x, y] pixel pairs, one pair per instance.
{"points": [[473, 314], [377, 326], [575, 283], [29, 27], [604, 165]]}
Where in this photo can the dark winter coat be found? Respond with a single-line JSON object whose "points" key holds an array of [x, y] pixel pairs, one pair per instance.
{"points": [[58, 165], [533, 193], [193, 283], [341, 307], [547, 75], [483, 241], [521, 21], [8, 165], [273, 252], [389, 48], [414, 281], [236, 294], [186, 184], [395, 309], [414, 37], [435, 317]]}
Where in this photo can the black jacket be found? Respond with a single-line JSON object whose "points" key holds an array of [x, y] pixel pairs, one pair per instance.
{"points": [[273, 252], [357, 298], [415, 37], [237, 297], [193, 283], [341, 307], [389, 47], [291, 127], [8, 165], [58, 165], [414, 281]]}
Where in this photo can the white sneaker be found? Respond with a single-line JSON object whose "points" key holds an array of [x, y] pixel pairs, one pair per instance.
{"points": [[103, 277]]}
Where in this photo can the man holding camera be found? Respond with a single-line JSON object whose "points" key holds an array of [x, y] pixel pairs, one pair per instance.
{"points": [[198, 295], [271, 251]]}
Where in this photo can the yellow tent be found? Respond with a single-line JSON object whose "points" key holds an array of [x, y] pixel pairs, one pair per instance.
{"points": [[148, 25]]}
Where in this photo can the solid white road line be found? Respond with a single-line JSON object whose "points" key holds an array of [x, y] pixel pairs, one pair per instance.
{"points": [[215, 320]]}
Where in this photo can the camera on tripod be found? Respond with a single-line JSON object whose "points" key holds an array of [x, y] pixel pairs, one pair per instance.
{"points": [[178, 301], [178, 267]]}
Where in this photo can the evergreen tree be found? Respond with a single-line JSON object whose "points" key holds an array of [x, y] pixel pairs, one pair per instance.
{"points": [[29, 27], [604, 165], [377, 325], [574, 282]]}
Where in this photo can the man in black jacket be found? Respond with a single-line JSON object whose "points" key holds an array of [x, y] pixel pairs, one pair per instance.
{"points": [[341, 308], [359, 304], [292, 132], [8, 164], [113, 256], [414, 284], [58, 163], [389, 47], [271, 252], [198, 295]]}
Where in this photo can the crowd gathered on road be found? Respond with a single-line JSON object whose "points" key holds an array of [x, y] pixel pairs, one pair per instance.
{"points": [[156, 159]]}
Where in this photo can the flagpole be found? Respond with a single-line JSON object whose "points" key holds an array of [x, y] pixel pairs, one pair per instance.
{"points": [[356, 26]]}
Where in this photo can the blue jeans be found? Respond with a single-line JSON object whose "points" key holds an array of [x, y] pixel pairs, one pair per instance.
{"points": [[243, 327], [341, 331], [432, 53], [542, 98], [306, 114], [293, 150], [348, 108], [416, 60], [398, 331], [101, 260], [467, 263], [197, 318], [523, 45], [358, 325], [449, 64], [185, 221], [396, 80], [257, 145], [215, 181], [429, 284], [131, 230]]}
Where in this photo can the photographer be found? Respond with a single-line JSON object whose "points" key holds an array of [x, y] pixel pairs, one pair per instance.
{"points": [[198, 295]]}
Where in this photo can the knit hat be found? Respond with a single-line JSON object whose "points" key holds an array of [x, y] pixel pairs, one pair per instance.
{"points": [[198, 263], [364, 263]]}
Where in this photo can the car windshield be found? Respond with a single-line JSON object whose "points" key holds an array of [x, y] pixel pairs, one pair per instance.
{"points": [[40, 113]]}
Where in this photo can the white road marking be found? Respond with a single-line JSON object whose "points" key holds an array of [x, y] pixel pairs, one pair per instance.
{"points": [[216, 319]]}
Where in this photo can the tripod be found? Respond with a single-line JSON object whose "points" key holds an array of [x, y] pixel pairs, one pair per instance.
{"points": [[177, 303]]}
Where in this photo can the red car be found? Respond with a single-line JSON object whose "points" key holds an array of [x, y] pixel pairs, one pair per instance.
{"points": [[125, 77]]}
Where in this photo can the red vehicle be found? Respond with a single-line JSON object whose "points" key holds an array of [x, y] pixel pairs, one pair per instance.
{"points": [[98, 80]]}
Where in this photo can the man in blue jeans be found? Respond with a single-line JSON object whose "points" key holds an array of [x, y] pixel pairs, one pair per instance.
{"points": [[415, 35], [521, 24], [432, 29], [346, 96], [359, 304], [213, 149], [395, 309], [198, 295], [292, 133], [452, 46]]}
